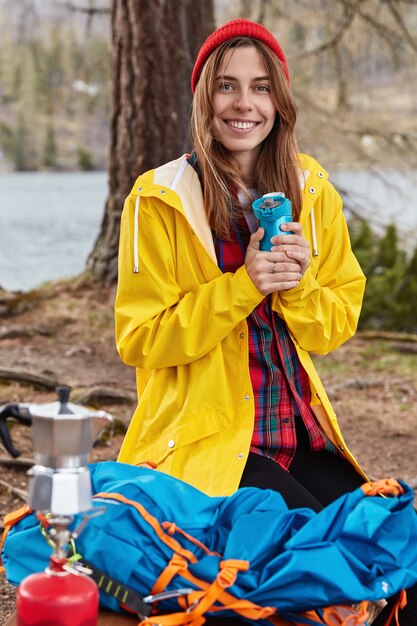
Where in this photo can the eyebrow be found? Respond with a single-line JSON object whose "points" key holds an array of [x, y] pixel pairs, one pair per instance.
{"points": [[226, 77]]}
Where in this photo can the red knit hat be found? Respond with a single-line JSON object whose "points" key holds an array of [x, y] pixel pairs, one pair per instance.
{"points": [[236, 28]]}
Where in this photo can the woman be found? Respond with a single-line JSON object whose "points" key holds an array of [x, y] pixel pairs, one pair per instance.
{"points": [[219, 331]]}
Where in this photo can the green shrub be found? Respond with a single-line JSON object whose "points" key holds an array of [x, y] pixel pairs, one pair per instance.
{"points": [[390, 301]]}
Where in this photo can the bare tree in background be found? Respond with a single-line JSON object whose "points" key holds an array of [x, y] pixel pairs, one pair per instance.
{"points": [[353, 73], [353, 64], [154, 45]]}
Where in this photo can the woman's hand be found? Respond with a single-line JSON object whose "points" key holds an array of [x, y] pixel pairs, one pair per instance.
{"points": [[294, 246], [277, 270]]}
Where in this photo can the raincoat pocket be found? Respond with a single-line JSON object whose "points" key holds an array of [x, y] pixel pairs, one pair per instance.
{"points": [[189, 433]]}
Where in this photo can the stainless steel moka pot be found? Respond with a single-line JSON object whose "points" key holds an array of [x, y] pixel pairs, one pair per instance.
{"points": [[63, 434]]}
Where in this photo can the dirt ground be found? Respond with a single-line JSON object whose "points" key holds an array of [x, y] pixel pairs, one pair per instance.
{"points": [[64, 334]]}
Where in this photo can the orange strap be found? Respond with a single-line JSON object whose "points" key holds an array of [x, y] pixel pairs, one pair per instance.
{"points": [[10, 520], [245, 608], [386, 487], [147, 465], [173, 528], [153, 522], [335, 615], [176, 565], [400, 604], [332, 616], [203, 601]]}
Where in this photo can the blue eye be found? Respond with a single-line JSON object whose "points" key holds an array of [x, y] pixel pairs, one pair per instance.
{"points": [[263, 88], [225, 87]]}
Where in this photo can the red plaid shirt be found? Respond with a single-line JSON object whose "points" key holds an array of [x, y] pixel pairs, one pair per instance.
{"points": [[280, 383]]}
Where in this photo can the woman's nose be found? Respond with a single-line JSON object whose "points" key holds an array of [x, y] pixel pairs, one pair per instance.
{"points": [[243, 101]]}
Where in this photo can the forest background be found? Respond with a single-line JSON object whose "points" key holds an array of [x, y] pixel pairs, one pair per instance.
{"points": [[353, 75]]}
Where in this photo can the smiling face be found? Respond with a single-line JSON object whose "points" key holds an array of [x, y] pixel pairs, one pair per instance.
{"points": [[243, 111]]}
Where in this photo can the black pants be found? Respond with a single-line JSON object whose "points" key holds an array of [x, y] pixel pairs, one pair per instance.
{"points": [[314, 480]]}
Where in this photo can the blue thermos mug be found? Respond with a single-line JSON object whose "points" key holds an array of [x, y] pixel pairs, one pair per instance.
{"points": [[272, 210]]}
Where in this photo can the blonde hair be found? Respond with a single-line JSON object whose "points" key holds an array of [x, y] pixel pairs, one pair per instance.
{"points": [[277, 166]]}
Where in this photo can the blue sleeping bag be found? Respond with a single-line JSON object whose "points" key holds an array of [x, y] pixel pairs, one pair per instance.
{"points": [[357, 548]]}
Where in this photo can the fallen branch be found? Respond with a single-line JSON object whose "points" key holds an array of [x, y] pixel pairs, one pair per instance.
{"points": [[20, 493], [20, 462], [29, 378], [103, 395], [363, 384], [407, 348], [24, 332], [390, 336]]}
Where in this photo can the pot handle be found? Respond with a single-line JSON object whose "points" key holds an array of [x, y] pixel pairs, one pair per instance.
{"points": [[12, 410]]}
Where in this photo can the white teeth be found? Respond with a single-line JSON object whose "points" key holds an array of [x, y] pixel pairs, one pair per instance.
{"points": [[242, 125]]}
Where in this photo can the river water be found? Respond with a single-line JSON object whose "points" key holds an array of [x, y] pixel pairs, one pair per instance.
{"points": [[49, 221], [383, 198], [48, 225]]}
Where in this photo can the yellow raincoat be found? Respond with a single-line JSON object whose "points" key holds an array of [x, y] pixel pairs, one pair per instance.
{"points": [[182, 323]]}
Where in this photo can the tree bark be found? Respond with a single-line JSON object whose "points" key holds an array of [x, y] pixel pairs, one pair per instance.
{"points": [[154, 45]]}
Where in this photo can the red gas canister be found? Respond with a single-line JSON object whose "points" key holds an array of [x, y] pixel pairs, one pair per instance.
{"points": [[57, 597]]}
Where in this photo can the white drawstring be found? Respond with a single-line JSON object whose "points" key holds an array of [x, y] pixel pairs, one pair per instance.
{"points": [[135, 237], [313, 232], [179, 173]]}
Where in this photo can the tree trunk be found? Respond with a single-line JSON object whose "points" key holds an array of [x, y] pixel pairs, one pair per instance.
{"points": [[154, 45]]}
